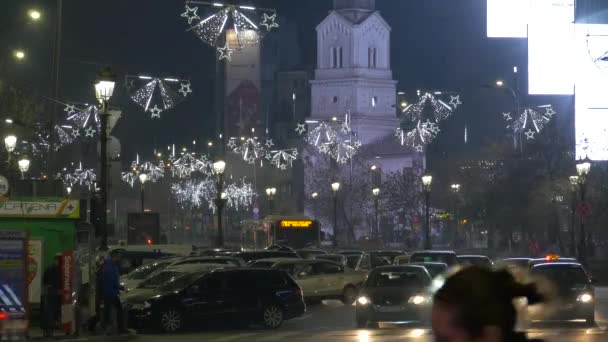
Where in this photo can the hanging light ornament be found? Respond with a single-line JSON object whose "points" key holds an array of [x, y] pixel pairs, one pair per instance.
{"points": [[86, 119], [420, 120], [251, 149], [195, 193], [157, 95], [154, 172], [530, 122], [282, 159], [334, 138], [188, 164], [83, 177]]}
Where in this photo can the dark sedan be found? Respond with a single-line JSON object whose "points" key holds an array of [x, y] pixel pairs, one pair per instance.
{"points": [[260, 296], [394, 294]]}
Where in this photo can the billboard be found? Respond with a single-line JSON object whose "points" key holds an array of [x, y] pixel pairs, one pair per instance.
{"points": [[551, 47], [507, 18], [591, 122]]}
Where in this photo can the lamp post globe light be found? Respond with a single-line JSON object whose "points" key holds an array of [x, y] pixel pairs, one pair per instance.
{"points": [[34, 14], [376, 230], [104, 88], [582, 168], [427, 180], [10, 142], [218, 169], [270, 192], [335, 187], [574, 180], [24, 165], [142, 179]]}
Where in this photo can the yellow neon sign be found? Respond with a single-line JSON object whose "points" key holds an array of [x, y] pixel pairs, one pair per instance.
{"points": [[296, 224]]}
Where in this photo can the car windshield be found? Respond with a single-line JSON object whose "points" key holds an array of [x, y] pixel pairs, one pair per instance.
{"points": [[471, 260], [435, 269], [263, 264], [447, 258], [144, 271], [159, 279], [561, 275], [397, 278], [351, 260], [335, 258], [180, 282]]}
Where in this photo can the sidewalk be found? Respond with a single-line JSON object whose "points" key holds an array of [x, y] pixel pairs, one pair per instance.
{"points": [[35, 334]]}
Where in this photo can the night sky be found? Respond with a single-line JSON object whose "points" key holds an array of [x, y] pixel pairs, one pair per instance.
{"points": [[436, 45]]}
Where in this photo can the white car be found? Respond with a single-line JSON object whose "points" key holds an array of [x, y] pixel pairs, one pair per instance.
{"points": [[319, 279], [166, 275]]}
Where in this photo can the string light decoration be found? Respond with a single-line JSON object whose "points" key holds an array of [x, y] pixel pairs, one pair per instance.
{"points": [[420, 121], [229, 23], [157, 95], [188, 164], [334, 138], [84, 178], [251, 149], [86, 119], [530, 122], [195, 193], [282, 159], [64, 135]]}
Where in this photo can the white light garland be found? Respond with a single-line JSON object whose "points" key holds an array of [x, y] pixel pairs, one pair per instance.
{"points": [[530, 122], [334, 138], [251, 149], [188, 164], [157, 95], [82, 177], [282, 159]]}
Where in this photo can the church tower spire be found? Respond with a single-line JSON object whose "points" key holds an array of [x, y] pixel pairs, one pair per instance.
{"points": [[355, 10]]}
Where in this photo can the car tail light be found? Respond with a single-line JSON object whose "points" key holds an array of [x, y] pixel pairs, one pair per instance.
{"points": [[3, 316]]}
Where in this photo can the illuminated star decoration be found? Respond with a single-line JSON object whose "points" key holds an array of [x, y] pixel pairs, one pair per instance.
{"points": [[334, 138], [269, 21], [155, 112], [190, 14], [229, 18], [531, 121], [75, 133], [419, 148], [82, 177], [89, 132], [225, 52], [421, 135], [70, 108], [156, 95], [86, 119], [185, 89], [282, 159], [153, 172], [301, 128], [455, 101], [188, 164]]}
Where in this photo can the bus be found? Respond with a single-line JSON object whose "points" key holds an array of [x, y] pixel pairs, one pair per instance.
{"points": [[296, 231]]}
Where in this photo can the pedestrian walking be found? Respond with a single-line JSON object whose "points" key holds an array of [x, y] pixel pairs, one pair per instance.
{"points": [[111, 292]]}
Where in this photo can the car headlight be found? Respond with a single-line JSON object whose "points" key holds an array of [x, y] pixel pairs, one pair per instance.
{"points": [[363, 300], [419, 300], [585, 298], [141, 306]]}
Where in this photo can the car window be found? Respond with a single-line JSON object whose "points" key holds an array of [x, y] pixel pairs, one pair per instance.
{"points": [[306, 270], [239, 280], [262, 264], [446, 258], [397, 278], [213, 282], [147, 269], [158, 279], [351, 261], [272, 279], [289, 268], [562, 276], [364, 262], [328, 268]]}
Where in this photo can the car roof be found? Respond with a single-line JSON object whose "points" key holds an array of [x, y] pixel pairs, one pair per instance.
{"points": [[275, 259], [192, 267], [473, 256], [434, 252], [333, 255], [557, 263], [517, 258], [392, 267], [430, 263]]}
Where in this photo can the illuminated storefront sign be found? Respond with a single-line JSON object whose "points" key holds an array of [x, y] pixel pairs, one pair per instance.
{"points": [[296, 224]]}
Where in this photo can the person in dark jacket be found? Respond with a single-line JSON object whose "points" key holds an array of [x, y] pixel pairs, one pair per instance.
{"points": [[111, 290], [476, 304], [51, 301]]}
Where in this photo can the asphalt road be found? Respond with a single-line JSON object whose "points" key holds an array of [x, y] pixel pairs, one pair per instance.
{"points": [[332, 321]]}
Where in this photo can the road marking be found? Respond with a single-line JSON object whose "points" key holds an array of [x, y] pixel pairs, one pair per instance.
{"points": [[237, 337]]}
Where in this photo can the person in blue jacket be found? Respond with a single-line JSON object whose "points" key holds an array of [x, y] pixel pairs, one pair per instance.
{"points": [[111, 291]]}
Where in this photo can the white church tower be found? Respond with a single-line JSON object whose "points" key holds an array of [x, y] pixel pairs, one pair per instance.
{"points": [[354, 70]]}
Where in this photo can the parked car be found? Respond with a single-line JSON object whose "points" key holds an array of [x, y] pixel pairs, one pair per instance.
{"points": [[235, 295], [166, 275], [320, 279], [369, 261], [394, 294], [478, 260], [350, 252], [250, 256], [401, 260], [434, 268], [518, 267], [340, 259], [131, 281], [388, 255], [310, 253], [447, 257], [574, 289]]}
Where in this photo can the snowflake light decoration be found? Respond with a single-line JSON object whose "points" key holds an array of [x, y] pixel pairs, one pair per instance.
{"points": [[153, 171], [86, 119], [428, 107], [195, 193], [531, 121], [334, 138], [82, 177], [251, 149], [64, 135], [188, 164], [420, 136], [239, 195], [282, 159], [157, 95]]}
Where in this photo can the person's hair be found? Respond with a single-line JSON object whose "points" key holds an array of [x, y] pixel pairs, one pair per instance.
{"points": [[483, 298]]}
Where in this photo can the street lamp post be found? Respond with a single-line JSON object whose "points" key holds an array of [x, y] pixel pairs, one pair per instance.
{"points": [[335, 186], [574, 182], [142, 180], [376, 231], [104, 88], [24, 165], [270, 192], [455, 190], [582, 168], [426, 184], [218, 168]]}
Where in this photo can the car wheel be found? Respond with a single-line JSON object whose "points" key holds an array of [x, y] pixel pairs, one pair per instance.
{"points": [[349, 295], [272, 316], [171, 320]]}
